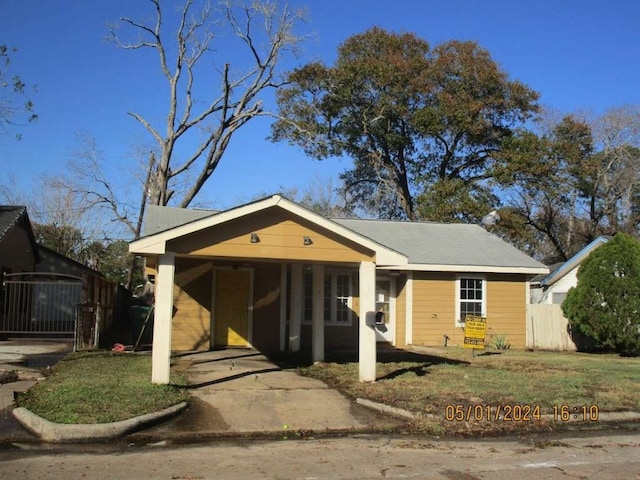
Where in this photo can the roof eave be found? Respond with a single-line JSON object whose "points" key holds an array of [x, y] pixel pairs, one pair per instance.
{"points": [[422, 267]]}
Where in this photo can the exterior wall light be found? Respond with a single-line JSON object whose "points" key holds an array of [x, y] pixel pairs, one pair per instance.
{"points": [[307, 240], [255, 238]]}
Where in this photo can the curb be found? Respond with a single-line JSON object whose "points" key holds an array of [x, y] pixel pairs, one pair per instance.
{"points": [[381, 407], [67, 433]]}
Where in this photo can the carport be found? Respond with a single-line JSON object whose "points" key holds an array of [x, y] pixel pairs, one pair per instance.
{"points": [[275, 236]]}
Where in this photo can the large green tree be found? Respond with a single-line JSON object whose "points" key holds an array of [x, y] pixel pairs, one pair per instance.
{"points": [[418, 122], [605, 304]]}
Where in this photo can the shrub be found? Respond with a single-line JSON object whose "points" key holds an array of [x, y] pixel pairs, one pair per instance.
{"points": [[605, 305]]}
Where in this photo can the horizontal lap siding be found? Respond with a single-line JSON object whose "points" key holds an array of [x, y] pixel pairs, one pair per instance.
{"points": [[433, 308], [434, 300], [281, 237], [192, 301], [507, 309]]}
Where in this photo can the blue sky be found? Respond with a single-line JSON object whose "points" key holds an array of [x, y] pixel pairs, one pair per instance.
{"points": [[577, 54]]}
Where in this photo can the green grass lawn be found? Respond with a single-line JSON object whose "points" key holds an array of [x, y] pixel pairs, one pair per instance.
{"points": [[430, 381], [99, 388]]}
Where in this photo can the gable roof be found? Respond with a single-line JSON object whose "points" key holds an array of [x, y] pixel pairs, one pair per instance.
{"points": [[155, 243], [12, 215], [398, 245], [446, 247], [48, 252], [573, 262]]}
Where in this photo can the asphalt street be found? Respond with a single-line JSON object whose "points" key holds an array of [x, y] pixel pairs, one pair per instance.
{"points": [[354, 457]]}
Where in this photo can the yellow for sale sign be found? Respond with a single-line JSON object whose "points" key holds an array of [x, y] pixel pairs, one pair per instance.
{"points": [[475, 332]]}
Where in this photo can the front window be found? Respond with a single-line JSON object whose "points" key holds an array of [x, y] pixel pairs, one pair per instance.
{"points": [[337, 298], [471, 298]]}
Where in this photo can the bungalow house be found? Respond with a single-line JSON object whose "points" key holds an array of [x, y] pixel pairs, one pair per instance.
{"points": [[276, 276]]}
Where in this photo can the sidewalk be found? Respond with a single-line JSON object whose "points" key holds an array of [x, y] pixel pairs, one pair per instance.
{"points": [[235, 393]]}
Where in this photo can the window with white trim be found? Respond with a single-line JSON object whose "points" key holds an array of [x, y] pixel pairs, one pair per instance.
{"points": [[471, 298], [337, 298]]}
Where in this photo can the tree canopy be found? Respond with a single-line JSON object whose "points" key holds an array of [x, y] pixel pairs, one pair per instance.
{"points": [[417, 122], [580, 179]]}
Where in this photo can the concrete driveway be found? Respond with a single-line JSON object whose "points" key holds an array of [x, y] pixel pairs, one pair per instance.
{"points": [[21, 365], [240, 391]]}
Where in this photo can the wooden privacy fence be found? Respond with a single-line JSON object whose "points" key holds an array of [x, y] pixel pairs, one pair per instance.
{"points": [[547, 328]]}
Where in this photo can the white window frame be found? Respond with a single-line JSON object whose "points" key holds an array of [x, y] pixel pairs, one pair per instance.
{"points": [[459, 300], [333, 315]]}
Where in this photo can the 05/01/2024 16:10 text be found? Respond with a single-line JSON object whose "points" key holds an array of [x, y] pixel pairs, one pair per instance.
{"points": [[520, 413]]}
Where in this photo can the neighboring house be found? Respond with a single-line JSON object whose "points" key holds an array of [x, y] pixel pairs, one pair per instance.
{"points": [[100, 300], [547, 328], [553, 287], [276, 276], [18, 248], [43, 293]]}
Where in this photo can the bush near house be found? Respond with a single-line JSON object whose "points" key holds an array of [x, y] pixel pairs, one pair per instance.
{"points": [[605, 305]]}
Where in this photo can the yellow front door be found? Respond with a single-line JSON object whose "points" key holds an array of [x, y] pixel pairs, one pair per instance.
{"points": [[232, 308]]}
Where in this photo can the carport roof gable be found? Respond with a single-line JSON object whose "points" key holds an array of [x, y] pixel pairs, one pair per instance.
{"points": [[156, 243]]}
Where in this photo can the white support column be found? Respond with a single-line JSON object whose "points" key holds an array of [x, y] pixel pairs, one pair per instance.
{"points": [[283, 306], [163, 313], [367, 346], [408, 333], [297, 297], [317, 319]]}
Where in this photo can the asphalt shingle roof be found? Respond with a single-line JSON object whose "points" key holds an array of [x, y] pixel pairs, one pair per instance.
{"points": [[423, 243], [442, 244], [158, 219]]}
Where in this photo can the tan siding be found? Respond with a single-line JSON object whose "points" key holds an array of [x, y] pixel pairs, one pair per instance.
{"points": [[434, 308], [507, 309], [281, 236], [401, 310], [192, 302]]}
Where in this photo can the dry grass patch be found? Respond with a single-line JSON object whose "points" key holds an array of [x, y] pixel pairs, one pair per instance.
{"points": [[428, 381]]}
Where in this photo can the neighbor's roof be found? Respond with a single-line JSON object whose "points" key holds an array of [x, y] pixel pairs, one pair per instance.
{"points": [[400, 245], [9, 216], [445, 246], [573, 262]]}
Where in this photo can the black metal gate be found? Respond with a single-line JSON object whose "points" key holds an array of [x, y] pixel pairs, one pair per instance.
{"points": [[40, 305]]}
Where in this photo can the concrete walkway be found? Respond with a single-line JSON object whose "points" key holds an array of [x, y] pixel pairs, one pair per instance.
{"points": [[239, 392]]}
